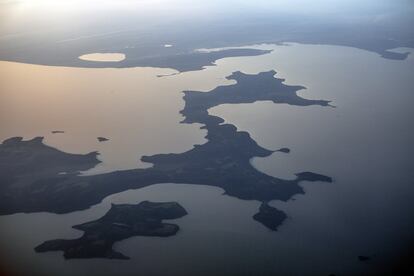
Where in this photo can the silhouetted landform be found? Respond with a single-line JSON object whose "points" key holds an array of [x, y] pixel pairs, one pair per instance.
{"points": [[269, 216], [190, 61], [102, 139], [394, 55], [24, 163], [144, 46], [182, 61], [310, 176], [223, 161], [120, 222], [284, 150], [364, 258], [248, 89], [57, 131]]}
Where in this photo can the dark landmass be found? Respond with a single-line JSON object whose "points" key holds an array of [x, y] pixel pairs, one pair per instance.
{"points": [[284, 150], [57, 131], [364, 258], [394, 55], [182, 62], [374, 29], [190, 61], [269, 216], [310, 176], [223, 161], [102, 139], [120, 222], [23, 163], [248, 89]]}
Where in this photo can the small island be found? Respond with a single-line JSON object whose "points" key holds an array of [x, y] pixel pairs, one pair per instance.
{"points": [[120, 222], [269, 216], [284, 150], [102, 139]]}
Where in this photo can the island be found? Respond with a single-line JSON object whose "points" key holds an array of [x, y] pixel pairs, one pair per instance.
{"points": [[102, 139], [120, 222], [284, 150], [223, 161], [269, 216]]}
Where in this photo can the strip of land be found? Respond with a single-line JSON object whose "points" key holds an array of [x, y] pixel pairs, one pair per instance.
{"points": [[224, 161]]}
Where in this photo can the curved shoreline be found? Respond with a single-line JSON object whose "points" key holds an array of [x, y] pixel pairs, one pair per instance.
{"points": [[223, 161], [121, 222]]}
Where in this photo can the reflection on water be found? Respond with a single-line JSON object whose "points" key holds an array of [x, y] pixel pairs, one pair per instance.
{"points": [[204, 231], [364, 143], [134, 108], [103, 57]]}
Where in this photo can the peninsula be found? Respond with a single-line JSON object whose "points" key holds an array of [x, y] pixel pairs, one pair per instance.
{"points": [[223, 161]]}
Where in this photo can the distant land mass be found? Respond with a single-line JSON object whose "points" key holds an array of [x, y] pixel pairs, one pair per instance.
{"points": [[120, 222], [145, 46], [223, 161], [185, 62]]}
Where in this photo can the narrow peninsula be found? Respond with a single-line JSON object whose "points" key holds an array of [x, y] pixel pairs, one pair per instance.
{"points": [[223, 161]]}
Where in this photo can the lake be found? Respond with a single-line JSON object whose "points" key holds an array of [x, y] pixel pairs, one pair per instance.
{"points": [[103, 57]]}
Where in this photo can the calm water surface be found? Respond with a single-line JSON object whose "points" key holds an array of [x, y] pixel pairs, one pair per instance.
{"points": [[364, 144], [103, 57]]}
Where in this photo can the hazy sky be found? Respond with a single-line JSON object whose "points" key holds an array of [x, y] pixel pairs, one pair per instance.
{"points": [[280, 5], [13, 11], [58, 20]]}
